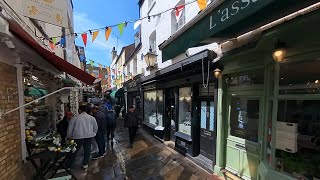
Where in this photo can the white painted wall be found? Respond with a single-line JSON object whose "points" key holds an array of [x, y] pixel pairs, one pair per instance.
{"points": [[163, 26]]}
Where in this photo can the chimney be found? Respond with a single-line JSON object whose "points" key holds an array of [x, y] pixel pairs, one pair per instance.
{"points": [[113, 53]]}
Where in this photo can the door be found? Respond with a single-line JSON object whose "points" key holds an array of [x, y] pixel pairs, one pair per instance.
{"points": [[172, 117], [207, 129], [243, 147]]}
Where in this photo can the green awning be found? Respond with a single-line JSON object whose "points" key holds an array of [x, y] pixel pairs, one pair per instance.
{"points": [[228, 19]]}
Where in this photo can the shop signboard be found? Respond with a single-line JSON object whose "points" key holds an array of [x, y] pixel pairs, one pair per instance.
{"points": [[218, 20], [49, 11]]}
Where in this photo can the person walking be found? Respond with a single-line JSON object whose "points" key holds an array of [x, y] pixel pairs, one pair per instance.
{"points": [[132, 122], [102, 127], [82, 128], [111, 125], [62, 126]]}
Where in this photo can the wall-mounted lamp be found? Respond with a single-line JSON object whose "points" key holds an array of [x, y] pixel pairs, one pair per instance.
{"points": [[217, 73], [279, 52], [150, 58]]}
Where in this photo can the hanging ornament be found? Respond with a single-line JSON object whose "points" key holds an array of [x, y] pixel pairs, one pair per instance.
{"points": [[94, 35], [52, 46], [178, 11], [121, 27], [108, 32], [84, 38], [202, 4]]}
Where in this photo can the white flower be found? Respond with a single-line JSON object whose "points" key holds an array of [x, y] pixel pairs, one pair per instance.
{"points": [[74, 149], [52, 148], [56, 141]]}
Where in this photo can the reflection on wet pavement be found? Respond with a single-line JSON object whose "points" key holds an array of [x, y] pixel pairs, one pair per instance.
{"points": [[148, 159]]}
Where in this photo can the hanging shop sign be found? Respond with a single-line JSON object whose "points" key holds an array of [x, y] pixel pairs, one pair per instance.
{"points": [[49, 11]]}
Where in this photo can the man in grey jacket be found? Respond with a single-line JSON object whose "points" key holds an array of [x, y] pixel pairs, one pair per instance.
{"points": [[82, 128]]}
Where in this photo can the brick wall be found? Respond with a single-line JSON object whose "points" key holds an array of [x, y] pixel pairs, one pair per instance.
{"points": [[10, 141]]}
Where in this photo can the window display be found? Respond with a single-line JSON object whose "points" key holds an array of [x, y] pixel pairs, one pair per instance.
{"points": [[185, 110], [244, 118], [153, 107]]}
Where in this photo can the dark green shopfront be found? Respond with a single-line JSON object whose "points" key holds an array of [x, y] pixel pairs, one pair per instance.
{"points": [[268, 98]]}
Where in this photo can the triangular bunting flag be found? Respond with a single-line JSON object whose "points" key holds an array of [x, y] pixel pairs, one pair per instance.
{"points": [[202, 4], [92, 74], [178, 11], [54, 40], [121, 27], [108, 32], [94, 35], [136, 24], [62, 41], [52, 46], [91, 63], [100, 65], [84, 38]]}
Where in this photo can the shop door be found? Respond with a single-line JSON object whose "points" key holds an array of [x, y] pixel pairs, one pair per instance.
{"points": [[207, 129], [243, 147], [172, 117]]}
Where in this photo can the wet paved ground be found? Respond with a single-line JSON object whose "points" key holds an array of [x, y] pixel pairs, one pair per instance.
{"points": [[148, 159]]}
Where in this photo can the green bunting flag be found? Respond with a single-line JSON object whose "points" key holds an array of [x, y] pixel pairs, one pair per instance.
{"points": [[91, 63], [121, 27]]}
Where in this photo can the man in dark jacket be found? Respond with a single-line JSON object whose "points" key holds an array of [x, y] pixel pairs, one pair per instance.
{"points": [[102, 127], [111, 125], [132, 122]]}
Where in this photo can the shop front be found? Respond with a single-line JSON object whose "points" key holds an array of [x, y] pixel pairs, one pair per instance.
{"points": [[180, 107], [132, 93], [269, 89]]}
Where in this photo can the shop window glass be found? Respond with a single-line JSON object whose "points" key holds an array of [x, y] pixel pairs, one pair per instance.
{"points": [[300, 78], [185, 110], [244, 118], [153, 107], [298, 138], [252, 78]]}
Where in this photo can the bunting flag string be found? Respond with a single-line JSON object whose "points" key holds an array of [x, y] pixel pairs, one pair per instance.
{"points": [[137, 22]]}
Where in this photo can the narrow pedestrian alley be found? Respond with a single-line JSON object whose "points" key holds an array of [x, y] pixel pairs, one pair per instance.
{"points": [[148, 159]]}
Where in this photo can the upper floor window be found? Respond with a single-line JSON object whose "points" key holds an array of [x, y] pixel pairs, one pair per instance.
{"points": [[153, 41]]}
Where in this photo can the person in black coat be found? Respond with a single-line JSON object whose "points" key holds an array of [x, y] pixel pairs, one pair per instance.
{"points": [[62, 126], [132, 122], [111, 125], [102, 127]]}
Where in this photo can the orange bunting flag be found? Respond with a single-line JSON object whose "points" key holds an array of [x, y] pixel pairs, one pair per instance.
{"points": [[84, 38], [202, 4], [108, 32], [100, 65], [94, 35], [92, 74]]}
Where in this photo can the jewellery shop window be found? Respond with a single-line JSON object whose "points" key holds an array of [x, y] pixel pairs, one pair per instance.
{"points": [[153, 107], [298, 121], [185, 110]]}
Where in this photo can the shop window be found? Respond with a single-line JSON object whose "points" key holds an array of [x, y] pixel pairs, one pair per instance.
{"points": [[298, 138], [252, 78], [153, 107], [300, 78], [185, 110], [244, 118]]}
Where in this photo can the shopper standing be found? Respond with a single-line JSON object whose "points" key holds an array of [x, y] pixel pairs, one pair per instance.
{"points": [[132, 122], [102, 127], [82, 128], [62, 126]]}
